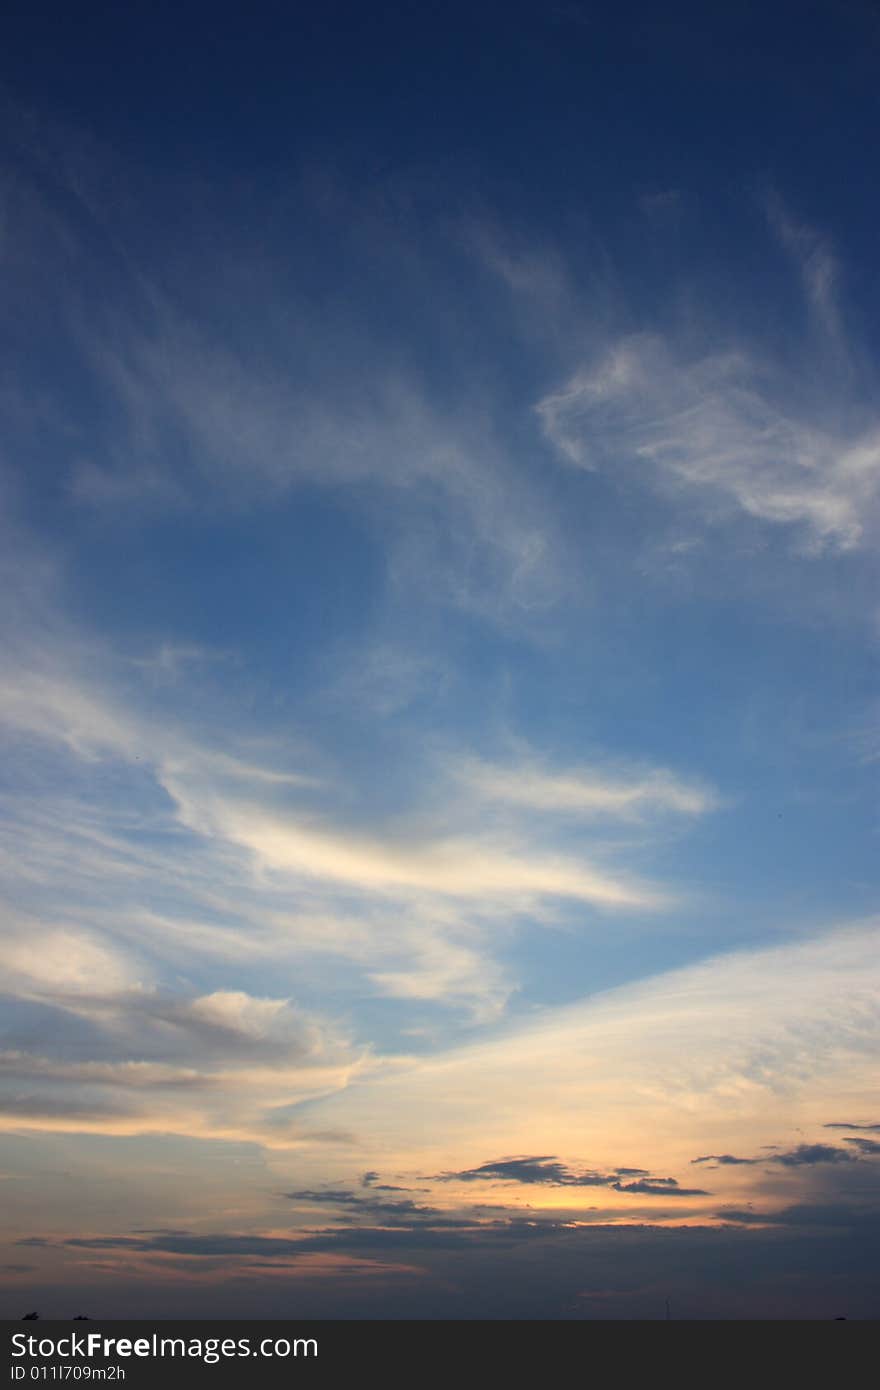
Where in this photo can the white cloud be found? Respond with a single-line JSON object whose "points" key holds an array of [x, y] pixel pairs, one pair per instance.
{"points": [[818, 266], [720, 424], [585, 792], [385, 678], [60, 962], [171, 659], [18, 1064], [537, 274], [236, 1012], [452, 865], [441, 967], [58, 708]]}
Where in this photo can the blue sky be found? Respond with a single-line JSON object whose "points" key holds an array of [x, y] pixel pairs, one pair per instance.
{"points": [[440, 502]]}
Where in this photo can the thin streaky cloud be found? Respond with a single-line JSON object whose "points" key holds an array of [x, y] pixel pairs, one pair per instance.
{"points": [[721, 426], [584, 792], [840, 1124], [453, 866], [202, 781], [818, 266]]}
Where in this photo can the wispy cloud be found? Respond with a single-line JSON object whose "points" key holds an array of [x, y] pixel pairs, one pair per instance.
{"points": [[45, 961], [453, 866], [454, 517], [725, 1160], [724, 426], [840, 1124], [816, 262], [213, 791], [413, 902], [585, 792]]}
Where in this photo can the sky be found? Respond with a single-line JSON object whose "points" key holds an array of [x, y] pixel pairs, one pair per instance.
{"points": [[439, 522]]}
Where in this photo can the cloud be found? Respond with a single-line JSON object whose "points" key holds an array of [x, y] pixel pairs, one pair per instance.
{"points": [[127, 1075], [76, 1112], [228, 802], [807, 1154], [386, 678], [542, 1170], [726, 427], [744, 1216], [462, 1235], [660, 1187], [119, 1057], [803, 1156], [397, 1213], [455, 520], [843, 1215], [413, 903], [244, 1252], [547, 1171], [232, 1011], [172, 659], [583, 792], [839, 1124], [57, 962], [206, 396], [725, 1160], [441, 967], [536, 275], [452, 866], [327, 1197], [818, 266], [864, 1146], [38, 702]]}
